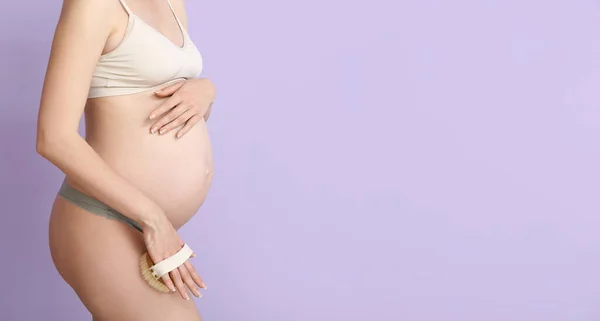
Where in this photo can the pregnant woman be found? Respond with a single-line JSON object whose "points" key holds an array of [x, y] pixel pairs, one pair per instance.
{"points": [[145, 165]]}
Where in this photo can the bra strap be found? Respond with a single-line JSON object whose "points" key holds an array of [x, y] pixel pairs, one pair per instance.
{"points": [[125, 7], [175, 14]]}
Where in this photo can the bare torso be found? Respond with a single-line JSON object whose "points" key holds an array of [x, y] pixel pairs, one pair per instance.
{"points": [[175, 172]]}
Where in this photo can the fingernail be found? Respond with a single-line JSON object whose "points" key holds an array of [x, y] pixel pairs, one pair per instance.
{"points": [[193, 254], [152, 116], [162, 131], [179, 136], [153, 130], [173, 290], [158, 91], [187, 297]]}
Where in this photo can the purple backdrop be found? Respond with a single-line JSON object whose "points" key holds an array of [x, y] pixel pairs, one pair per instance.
{"points": [[382, 160]]}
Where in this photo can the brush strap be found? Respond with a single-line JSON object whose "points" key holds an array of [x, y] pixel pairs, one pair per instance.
{"points": [[171, 263]]}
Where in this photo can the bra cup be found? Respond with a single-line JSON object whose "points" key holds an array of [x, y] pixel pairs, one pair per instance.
{"points": [[143, 61]]}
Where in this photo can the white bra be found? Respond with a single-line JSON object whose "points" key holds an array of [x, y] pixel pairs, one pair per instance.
{"points": [[145, 59]]}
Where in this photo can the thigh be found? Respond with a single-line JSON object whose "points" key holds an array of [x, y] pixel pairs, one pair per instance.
{"points": [[98, 258]]}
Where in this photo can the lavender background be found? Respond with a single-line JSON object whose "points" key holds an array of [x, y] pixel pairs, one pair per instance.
{"points": [[382, 160]]}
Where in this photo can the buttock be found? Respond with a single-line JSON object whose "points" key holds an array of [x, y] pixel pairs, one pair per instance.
{"points": [[98, 257]]}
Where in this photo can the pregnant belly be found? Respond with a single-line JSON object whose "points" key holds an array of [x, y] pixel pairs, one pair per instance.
{"points": [[175, 172]]}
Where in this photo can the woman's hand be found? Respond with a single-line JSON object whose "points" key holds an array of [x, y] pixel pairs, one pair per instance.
{"points": [[162, 242], [189, 101]]}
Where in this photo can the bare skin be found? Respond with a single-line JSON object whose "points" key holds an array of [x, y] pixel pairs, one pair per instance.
{"points": [[159, 180]]}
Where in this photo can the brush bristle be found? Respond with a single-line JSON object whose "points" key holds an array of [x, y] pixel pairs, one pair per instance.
{"points": [[157, 284]]}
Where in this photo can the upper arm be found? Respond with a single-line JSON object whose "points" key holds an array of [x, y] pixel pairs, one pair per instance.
{"points": [[80, 36]]}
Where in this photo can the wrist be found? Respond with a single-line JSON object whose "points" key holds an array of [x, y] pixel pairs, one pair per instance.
{"points": [[152, 218]]}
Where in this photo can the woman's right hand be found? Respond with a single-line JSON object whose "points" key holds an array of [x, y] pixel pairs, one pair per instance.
{"points": [[162, 241]]}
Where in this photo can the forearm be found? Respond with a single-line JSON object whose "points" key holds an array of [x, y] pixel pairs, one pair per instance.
{"points": [[72, 155]]}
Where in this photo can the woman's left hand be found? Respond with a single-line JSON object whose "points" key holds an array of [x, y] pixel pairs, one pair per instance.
{"points": [[189, 101]]}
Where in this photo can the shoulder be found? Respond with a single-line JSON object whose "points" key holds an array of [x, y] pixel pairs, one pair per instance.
{"points": [[97, 11], [83, 6], [94, 17]]}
